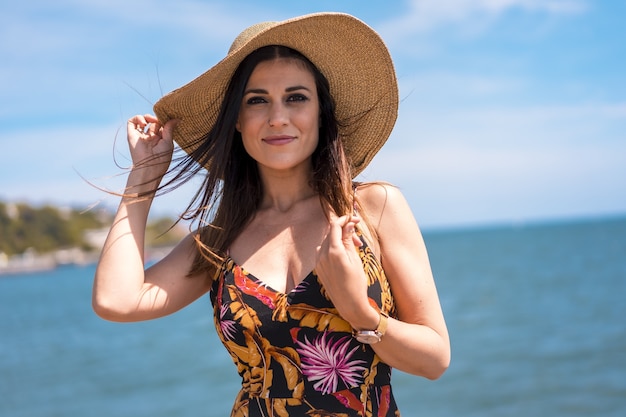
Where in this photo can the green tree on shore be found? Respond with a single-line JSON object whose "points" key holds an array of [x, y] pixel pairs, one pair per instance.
{"points": [[48, 228]]}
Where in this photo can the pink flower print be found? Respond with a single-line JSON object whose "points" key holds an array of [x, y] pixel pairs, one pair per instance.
{"points": [[327, 361], [227, 327]]}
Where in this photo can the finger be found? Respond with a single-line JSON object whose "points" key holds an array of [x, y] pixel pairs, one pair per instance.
{"points": [[335, 230], [341, 231], [348, 235], [152, 126], [150, 118], [137, 119], [347, 230], [168, 129], [136, 123], [356, 240]]}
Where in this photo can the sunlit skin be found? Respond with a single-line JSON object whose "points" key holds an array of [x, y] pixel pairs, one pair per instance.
{"points": [[290, 234], [279, 117]]}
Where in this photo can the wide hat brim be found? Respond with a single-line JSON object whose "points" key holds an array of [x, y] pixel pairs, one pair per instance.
{"points": [[350, 54]]}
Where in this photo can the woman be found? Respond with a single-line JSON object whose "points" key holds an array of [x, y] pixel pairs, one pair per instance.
{"points": [[319, 285]]}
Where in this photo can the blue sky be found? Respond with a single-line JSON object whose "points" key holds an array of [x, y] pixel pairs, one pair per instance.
{"points": [[512, 110]]}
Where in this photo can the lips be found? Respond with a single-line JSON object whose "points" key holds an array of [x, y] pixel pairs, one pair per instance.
{"points": [[279, 140]]}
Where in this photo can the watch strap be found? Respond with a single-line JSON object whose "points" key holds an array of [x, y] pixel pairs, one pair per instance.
{"points": [[373, 336], [382, 324]]}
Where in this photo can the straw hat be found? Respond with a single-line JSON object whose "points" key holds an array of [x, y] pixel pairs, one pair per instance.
{"points": [[349, 53]]}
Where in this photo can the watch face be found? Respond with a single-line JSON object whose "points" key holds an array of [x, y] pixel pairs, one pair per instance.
{"points": [[368, 337]]}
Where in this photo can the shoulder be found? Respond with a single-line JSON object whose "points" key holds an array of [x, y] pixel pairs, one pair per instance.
{"points": [[380, 200], [386, 212]]}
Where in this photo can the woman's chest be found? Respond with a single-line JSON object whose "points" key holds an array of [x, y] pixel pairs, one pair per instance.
{"points": [[280, 255]]}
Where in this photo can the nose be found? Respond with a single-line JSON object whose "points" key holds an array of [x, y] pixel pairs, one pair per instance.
{"points": [[278, 115]]}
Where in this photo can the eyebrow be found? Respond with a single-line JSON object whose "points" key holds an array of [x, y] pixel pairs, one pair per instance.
{"points": [[288, 90]]}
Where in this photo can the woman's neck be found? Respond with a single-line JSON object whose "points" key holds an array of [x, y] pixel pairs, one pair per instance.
{"points": [[282, 191]]}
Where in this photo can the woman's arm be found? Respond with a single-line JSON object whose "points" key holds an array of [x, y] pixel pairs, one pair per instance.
{"points": [[417, 341], [122, 290]]}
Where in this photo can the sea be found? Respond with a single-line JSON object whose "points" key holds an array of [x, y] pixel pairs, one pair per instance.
{"points": [[536, 314]]}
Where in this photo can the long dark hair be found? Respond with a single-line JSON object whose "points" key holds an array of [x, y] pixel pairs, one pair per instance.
{"points": [[232, 190]]}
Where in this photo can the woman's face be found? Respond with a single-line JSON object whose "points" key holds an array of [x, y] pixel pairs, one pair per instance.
{"points": [[279, 115]]}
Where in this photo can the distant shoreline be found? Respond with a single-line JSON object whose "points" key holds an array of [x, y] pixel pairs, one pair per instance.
{"points": [[32, 262]]}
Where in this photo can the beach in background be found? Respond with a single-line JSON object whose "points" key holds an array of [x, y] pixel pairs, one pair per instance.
{"points": [[535, 312]]}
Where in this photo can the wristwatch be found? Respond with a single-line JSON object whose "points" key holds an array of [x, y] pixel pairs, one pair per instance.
{"points": [[370, 337]]}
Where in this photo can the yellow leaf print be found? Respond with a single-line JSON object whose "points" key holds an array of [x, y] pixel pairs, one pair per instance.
{"points": [[258, 360], [387, 304], [322, 319], [280, 312], [289, 360], [241, 353], [371, 265], [243, 315]]}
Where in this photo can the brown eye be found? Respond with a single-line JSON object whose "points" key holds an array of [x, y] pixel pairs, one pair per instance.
{"points": [[255, 100], [297, 97]]}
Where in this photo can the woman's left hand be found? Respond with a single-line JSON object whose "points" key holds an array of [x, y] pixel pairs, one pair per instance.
{"points": [[340, 270]]}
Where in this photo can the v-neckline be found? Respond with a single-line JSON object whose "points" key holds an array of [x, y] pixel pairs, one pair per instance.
{"points": [[250, 276]]}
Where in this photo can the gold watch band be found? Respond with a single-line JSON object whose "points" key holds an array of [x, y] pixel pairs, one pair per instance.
{"points": [[382, 324], [372, 336]]}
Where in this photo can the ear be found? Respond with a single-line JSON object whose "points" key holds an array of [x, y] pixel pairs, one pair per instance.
{"points": [[238, 126]]}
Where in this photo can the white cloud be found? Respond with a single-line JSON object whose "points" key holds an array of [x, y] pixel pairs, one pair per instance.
{"points": [[75, 29], [200, 21], [508, 164], [426, 16], [67, 56], [66, 165], [46, 152], [446, 87], [468, 146]]}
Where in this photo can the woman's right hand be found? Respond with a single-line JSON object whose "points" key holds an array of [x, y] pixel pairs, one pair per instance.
{"points": [[123, 290], [150, 144]]}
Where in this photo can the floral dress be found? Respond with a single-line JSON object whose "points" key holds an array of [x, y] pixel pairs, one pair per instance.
{"points": [[296, 356]]}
